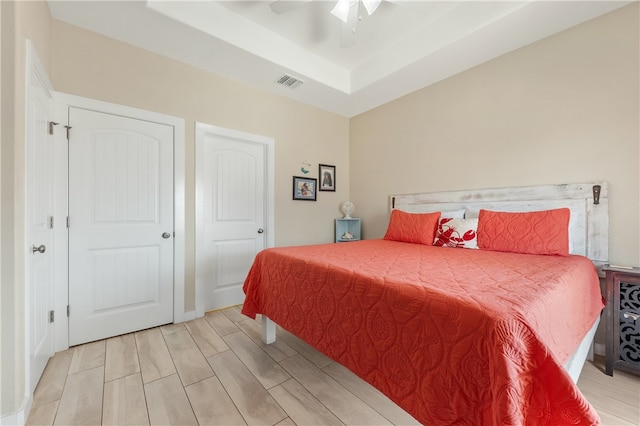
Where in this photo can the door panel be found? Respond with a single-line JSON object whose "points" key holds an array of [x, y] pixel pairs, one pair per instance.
{"points": [[125, 175], [124, 277], [232, 217], [39, 212], [233, 260], [120, 205]]}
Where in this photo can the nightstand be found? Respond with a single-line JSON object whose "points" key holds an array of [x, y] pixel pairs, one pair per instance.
{"points": [[622, 319], [346, 228]]}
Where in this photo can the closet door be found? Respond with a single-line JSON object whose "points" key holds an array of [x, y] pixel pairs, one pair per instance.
{"points": [[232, 218], [121, 225]]}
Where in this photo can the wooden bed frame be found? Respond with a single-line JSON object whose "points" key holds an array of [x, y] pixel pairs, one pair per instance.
{"points": [[588, 228]]}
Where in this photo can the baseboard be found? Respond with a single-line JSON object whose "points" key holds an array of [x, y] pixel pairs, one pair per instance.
{"points": [[599, 349], [11, 419], [18, 417], [188, 316]]}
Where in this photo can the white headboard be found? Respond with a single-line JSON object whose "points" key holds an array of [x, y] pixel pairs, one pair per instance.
{"points": [[588, 202]]}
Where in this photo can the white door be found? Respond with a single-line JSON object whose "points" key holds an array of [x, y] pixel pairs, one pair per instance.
{"points": [[120, 225], [232, 218], [39, 219]]}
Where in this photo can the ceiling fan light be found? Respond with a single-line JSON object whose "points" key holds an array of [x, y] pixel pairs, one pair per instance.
{"points": [[371, 5], [341, 10]]}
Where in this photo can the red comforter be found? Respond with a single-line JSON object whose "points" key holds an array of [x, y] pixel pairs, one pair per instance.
{"points": [[454, 336]]}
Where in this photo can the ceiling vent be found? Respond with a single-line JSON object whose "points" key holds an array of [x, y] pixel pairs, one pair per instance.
{"points": [[289, 81]]}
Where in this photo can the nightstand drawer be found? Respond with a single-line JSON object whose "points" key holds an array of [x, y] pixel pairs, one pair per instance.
{"points": [[622, 326]]}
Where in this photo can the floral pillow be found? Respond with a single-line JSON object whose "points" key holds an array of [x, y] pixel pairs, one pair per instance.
{"points": [[459, 233]]}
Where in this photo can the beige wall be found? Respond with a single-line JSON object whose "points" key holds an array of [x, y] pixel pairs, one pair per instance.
{"points": [[562, 110], [93, 66], [20, 21]]}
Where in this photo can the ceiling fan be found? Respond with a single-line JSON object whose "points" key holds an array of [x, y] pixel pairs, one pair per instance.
{"points": [[344, 8], [348, 11]]}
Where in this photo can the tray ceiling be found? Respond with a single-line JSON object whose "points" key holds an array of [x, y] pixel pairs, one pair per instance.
{"points": [[402, 47]]}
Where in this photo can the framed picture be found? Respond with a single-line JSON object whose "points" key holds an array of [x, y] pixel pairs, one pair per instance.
{"points": [[304, 188], [327, 175]]}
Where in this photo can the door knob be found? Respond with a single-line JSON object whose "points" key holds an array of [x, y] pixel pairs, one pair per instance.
{"points": [[166, 235], [39, 249], [260, 230]]}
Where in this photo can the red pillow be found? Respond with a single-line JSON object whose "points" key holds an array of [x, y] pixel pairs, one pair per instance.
{"points": [[417, 228], [540, 232]]}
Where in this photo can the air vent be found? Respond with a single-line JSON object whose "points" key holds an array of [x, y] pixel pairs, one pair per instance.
{"points": [[289, 81]]}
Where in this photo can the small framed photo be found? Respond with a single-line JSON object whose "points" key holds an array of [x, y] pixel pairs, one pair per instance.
{"points": [[327, 175], [304, 188]]}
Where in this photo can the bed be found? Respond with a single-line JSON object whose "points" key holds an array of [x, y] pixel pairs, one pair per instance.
{"points": [[452, 335]]}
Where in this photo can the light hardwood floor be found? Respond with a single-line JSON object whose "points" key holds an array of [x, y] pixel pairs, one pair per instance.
{"points": [[215, 370]]}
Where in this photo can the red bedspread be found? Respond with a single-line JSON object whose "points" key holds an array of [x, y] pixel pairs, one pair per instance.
{"points": [[454, 336]]}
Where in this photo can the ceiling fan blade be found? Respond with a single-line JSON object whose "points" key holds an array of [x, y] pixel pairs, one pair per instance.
{"points": [[281, 6], [371, 5], [341, 10]]}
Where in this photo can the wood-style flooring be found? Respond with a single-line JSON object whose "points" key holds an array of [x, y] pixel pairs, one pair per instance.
{"points": [[216, 371]]}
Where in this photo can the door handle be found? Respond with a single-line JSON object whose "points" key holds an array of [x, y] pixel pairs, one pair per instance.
{"points": [[260, 230], [166, 235], [39, 249]]}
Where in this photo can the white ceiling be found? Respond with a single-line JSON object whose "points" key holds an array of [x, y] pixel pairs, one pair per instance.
{"points": [[402, 47]]}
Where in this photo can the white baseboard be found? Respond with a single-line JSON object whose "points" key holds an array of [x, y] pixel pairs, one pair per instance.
{"points": [[599, 349], [11, 419], [18, 417]]}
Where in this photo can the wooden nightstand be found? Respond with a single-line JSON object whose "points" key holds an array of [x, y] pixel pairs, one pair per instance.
{"points": [[622, 319]]}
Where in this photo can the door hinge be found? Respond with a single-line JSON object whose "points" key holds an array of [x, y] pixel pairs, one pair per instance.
{"points": [[51, 124], [50, 222], [67, 221], [51, 316], [67, 310], [68, 128]]}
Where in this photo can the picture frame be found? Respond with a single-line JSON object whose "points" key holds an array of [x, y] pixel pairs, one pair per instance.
{"points": [[304, 188], [327, 177]]}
